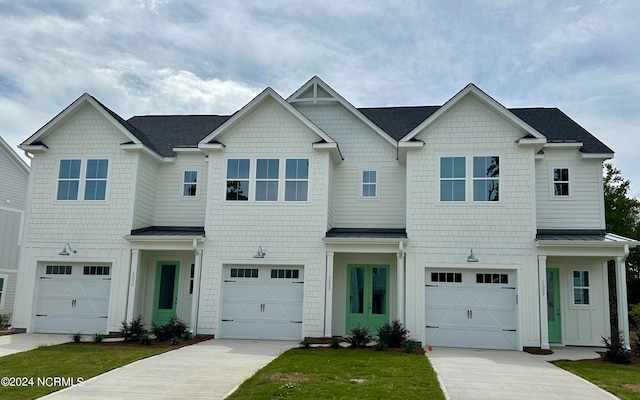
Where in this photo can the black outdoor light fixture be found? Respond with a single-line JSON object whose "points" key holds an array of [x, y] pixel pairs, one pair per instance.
{"points": [[64, 251], [471, 257]]}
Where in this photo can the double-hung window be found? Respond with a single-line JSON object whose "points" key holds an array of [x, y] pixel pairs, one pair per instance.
{"points": [[560, 182], [581, 287], [369, 184], [238, 179], [189, 183], [452, 178], [267, 172], [74, 177], [486, 178], [296, 183]]}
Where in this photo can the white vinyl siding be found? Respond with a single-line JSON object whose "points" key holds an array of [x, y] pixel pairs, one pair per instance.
{"points": [[10, 230], [13, 182], [583, 209], [145, 191]]}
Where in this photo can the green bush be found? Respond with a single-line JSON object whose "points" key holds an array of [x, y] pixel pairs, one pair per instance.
{"points": [[145, 339], [5, 321], [359, 337], [186, 336], [381, 346], [335, 343], [616, 352], [174, 328], [175, 340], [409, 346], [306, 343], [394, 335], [77, 337], [634, 316], [131, 332], [98, 337]]}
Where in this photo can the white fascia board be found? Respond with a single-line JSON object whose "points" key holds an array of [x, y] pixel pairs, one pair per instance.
{"points": [[14, 156], [403, 147], [565, 144], [532, 142], [139, 147], [68, 112], [209, 147], [601, 156], [336, 154], [583, 244], [317, 81], [364, 241], [472, 89], [34, 149], [186, 150], [259, 99]]}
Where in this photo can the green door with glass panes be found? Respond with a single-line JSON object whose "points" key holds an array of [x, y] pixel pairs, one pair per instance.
{"points": [[367, 296], [553, 305], [165, 299]]}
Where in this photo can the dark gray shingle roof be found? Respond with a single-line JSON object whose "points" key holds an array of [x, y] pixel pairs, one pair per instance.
{"points": [[398, 121]]}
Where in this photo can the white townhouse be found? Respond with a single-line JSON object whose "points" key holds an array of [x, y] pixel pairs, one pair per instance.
{"points": [[14, 177], [473, 224]]}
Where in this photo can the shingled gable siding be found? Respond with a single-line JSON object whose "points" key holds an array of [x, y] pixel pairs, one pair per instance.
{"points": [[171, 207], [583, 208], [502, 233], [13, 183], [290, 233], [363, 149], [146, 183]]}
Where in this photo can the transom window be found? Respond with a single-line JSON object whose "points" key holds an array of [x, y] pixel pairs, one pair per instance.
{"points": [[581, 287], [267, 172], [94, 182], [58, 270], [296, 180], [492, 278], [244, 272], [478, 174], [446, 277], [95, 270], [238, 179], [189, 183], [285, 273], [561, 182], [369, 183]]}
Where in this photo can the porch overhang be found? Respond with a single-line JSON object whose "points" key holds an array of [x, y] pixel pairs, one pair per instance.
{"points": [[360, 240], [166, 237], [582, 243]]}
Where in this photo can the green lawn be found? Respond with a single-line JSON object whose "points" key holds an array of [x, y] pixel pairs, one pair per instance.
{"points": [[67, 361], [621, 380], [343, 374]]}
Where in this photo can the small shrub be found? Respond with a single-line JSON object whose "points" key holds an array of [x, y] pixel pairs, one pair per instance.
{"points": [[175, 327], [145, 339], [359, 337], [616, 352], [77, 337], [305, 343], [175, 340], [186, 336], [98, 337], [335, 343], [409, 346], [5, 321], [634, 316], [381, 346], [131, 332], [394, 335]]}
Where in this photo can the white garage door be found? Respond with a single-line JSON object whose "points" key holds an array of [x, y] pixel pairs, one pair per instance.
{"points": [[73, 298], [262, 303], [471, 308]]}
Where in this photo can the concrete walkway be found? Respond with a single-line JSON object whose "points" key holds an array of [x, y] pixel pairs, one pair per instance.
{"points": [[207, 370], [495, 374], [16, 343]]}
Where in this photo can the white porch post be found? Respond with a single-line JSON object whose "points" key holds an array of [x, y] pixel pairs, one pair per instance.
{"points": [[133, 275], [621, 290], [195, 297], [400, 282], [544, 318], [328, 296]]}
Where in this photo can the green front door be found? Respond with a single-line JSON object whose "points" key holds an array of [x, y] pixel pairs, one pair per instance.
{"points": [[165, 296], [553, 305], [367, 296]]}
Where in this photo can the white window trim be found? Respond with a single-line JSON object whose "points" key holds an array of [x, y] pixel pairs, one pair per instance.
{"points": [[573, 287], [3, 289], [469, 179], [253, 162], [376, 183], [198, 183], [552, 191], [83, 179]]}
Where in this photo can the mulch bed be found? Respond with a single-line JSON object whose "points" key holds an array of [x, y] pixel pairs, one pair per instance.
{"points": [[154, 343]]}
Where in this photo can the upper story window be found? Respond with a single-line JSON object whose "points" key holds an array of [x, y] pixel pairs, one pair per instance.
{"points": [[561, 182], [94, 182], [452, 178], [479, 175], [267, 172], [581, 287], [369, 183], [486, 178], [189, 183], [296, 184], [238, 179]]}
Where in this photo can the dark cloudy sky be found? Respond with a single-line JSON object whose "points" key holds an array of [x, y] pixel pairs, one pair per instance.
{"points": [[199, 57]]}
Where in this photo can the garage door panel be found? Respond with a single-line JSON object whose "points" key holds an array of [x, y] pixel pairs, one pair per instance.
{"points": [[282, 311], [239, 291], [286, 292], [239, 329], [278, 331], [494, 339], [500, 319], [442, 336], [443, 317], [240, 310], [446, 297], [492, 297]]}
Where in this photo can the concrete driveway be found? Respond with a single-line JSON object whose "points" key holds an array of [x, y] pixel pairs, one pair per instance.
{"points": [[206, 370], [16, 343], [494, 374]]}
